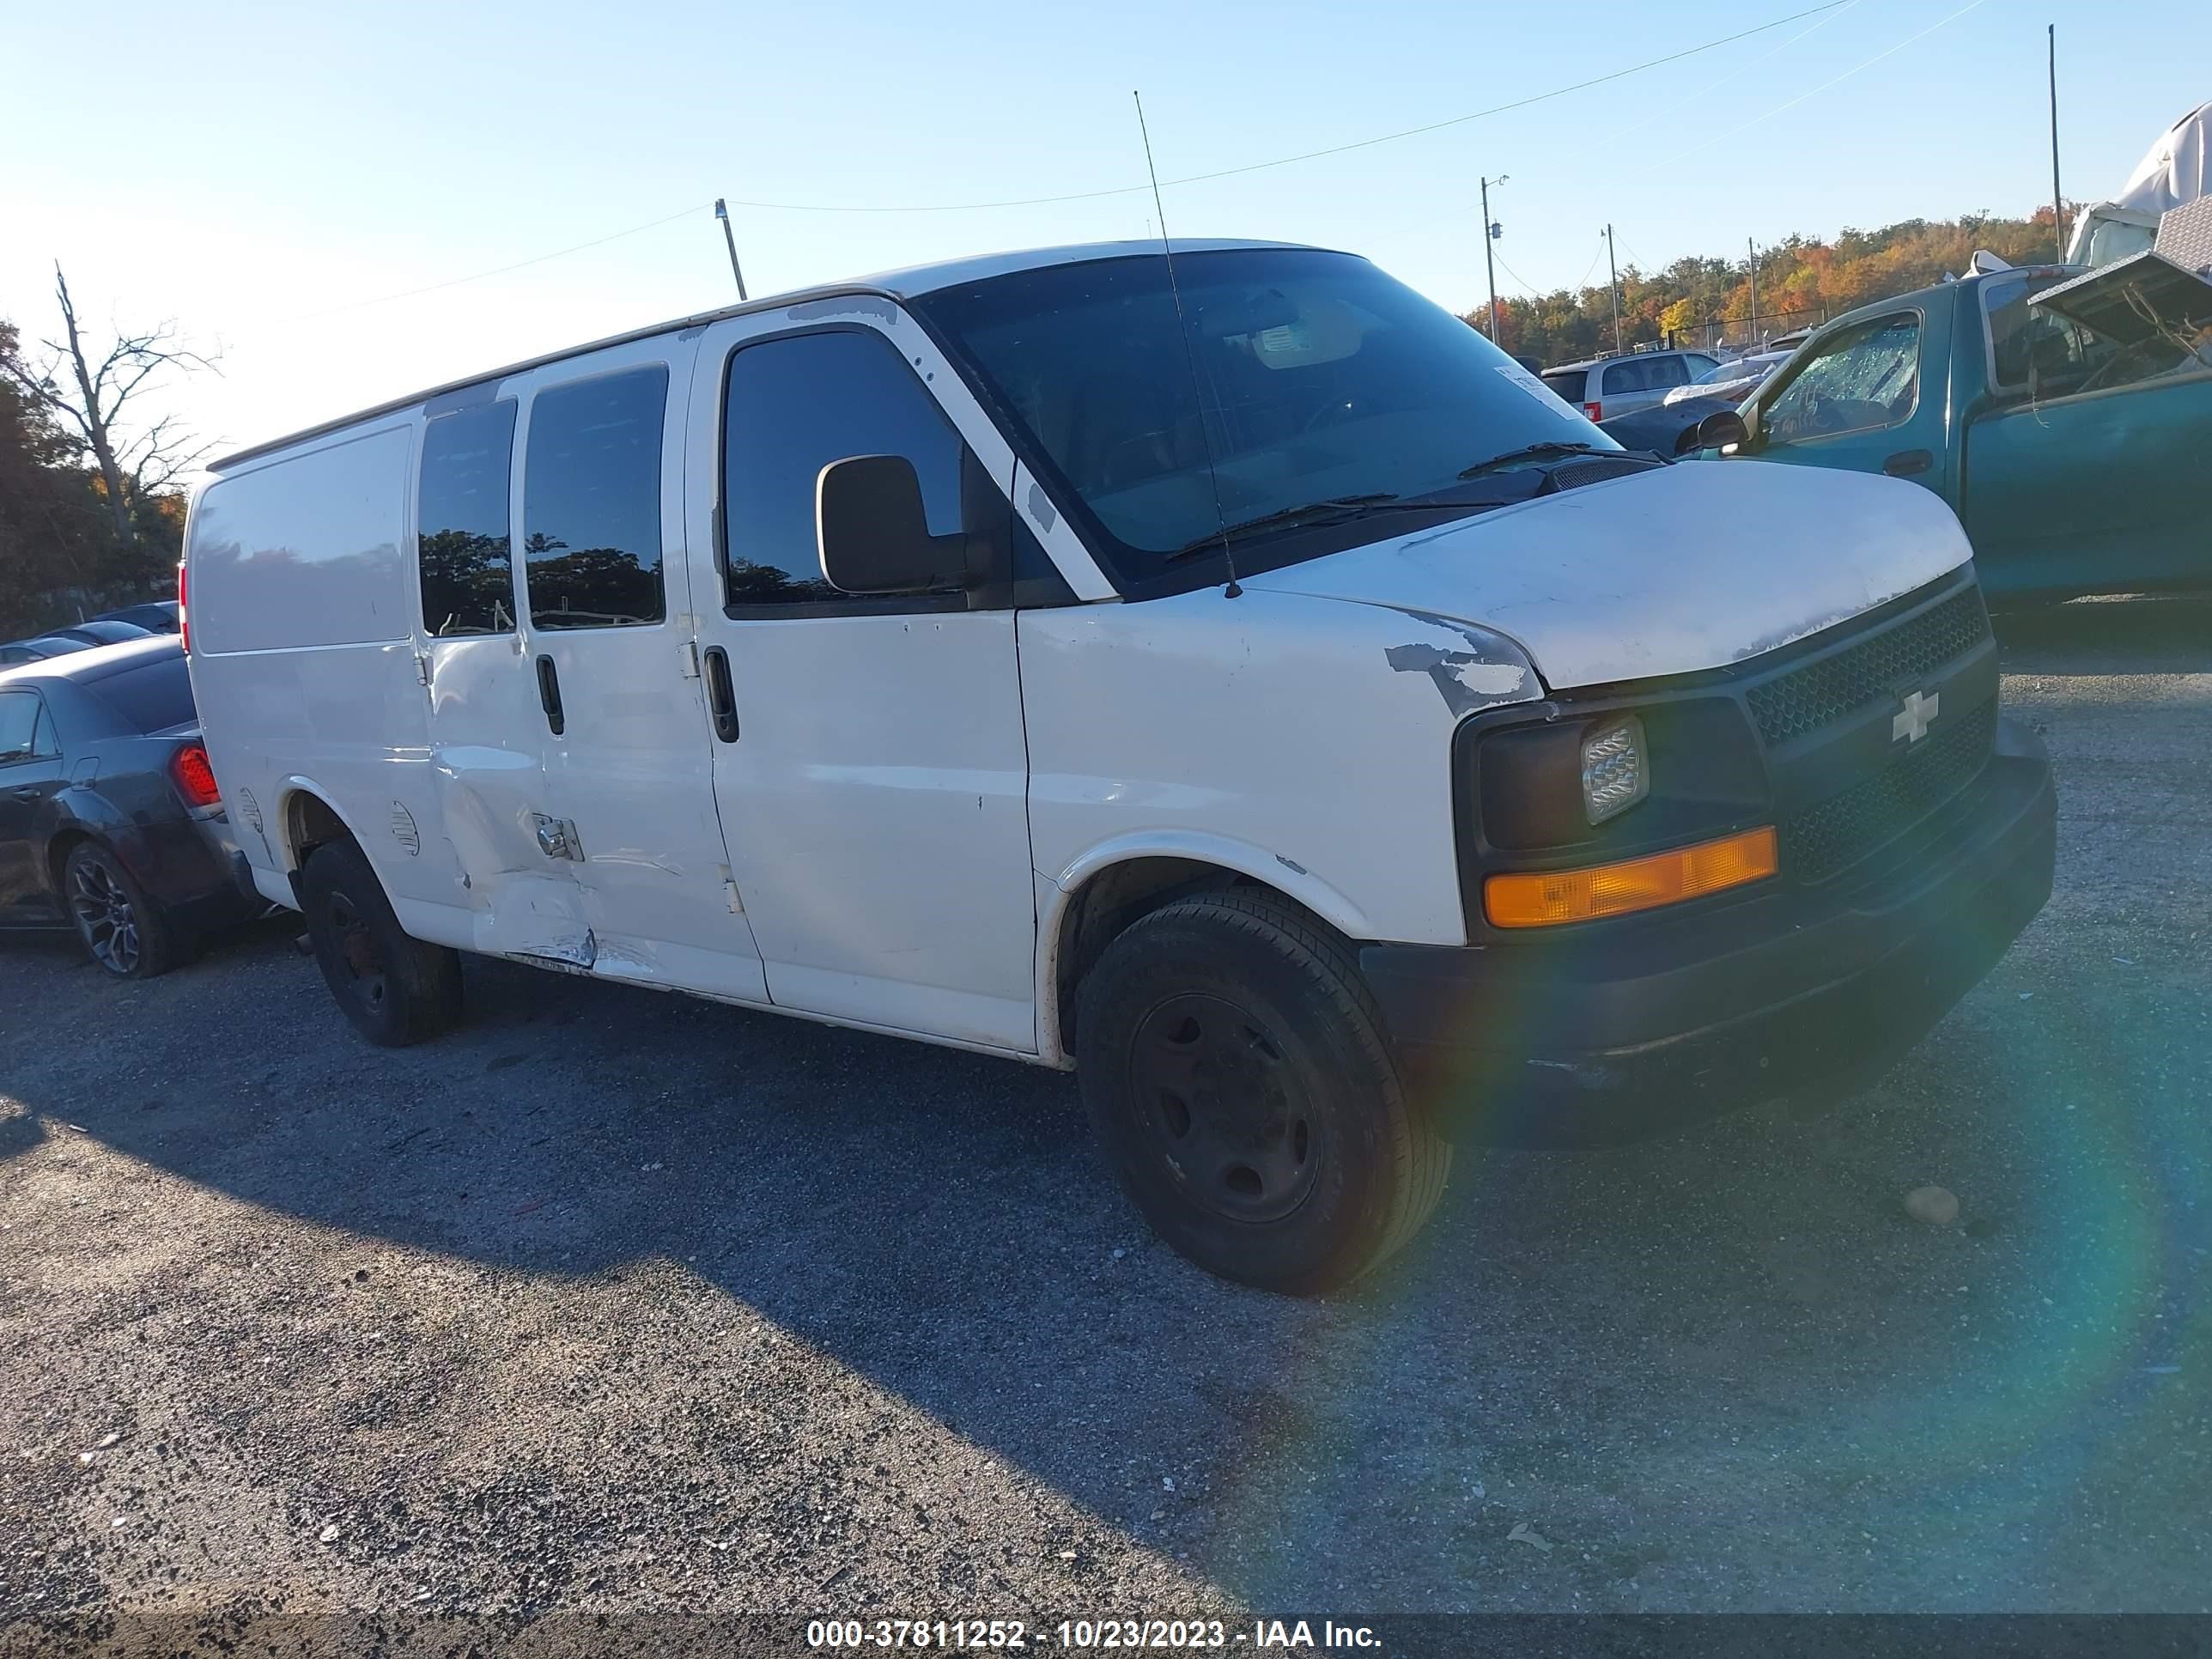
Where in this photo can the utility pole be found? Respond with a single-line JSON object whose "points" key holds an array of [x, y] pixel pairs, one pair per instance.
{"points": [[722, 213], [1613, 272], [1491, 232], [2057, 201], [1751, 257]]}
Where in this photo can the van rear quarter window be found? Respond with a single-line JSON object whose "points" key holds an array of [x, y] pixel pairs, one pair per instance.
{"points": [[1568, 383], [591, 501], [461, 528], [306, 550]]}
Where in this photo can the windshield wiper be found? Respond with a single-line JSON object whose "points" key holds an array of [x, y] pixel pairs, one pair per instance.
{"points": [[1336, 509], [1531, 452]]}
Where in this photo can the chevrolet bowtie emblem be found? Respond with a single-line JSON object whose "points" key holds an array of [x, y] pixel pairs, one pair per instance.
{"points": [[1912, 721]]}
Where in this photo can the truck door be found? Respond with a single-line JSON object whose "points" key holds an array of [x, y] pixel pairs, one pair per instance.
{"points": [[608, 634], [2075, 476], [868, 753], [1864, 400]]}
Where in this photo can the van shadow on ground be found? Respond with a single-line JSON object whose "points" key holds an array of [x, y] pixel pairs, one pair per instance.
{"points": [[1713, 1364]]}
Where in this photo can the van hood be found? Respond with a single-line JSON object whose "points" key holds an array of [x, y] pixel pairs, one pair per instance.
{"points": [[1683, 567]]}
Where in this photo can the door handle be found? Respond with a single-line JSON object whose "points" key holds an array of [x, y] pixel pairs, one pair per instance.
{"points": [[25, 793], [721, 698], [1906, 462], [549, 695]]}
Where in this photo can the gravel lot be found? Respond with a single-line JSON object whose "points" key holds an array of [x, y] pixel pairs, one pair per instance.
{"points": [[624, 1301]]}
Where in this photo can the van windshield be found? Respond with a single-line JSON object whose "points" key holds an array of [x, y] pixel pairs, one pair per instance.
{"points": [[1323, 383]]}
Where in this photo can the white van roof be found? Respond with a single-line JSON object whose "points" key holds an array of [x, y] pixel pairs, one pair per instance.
{"points": [[911, 282]]}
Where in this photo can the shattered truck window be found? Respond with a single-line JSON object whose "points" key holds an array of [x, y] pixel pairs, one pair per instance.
{"points": [[1865, 377]]}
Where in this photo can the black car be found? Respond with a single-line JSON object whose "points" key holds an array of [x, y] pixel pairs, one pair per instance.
{"points": [[155, 616], [1665, 429], [110, 819], [80, 636]]}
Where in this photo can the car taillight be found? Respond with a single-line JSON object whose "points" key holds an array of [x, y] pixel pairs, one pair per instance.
{"points": [[184, 616], [195, 777], [1595, 411]]}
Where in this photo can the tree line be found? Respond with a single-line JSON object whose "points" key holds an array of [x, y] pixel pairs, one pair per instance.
{"points": [[92, 508], [1704, 303]]}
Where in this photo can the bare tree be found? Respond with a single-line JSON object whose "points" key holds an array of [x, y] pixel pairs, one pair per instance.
{"points": [[136, 459]]}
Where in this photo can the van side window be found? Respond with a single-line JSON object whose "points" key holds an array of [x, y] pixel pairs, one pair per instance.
{"points": [[591, 501], [791, 407], [461, 540]]}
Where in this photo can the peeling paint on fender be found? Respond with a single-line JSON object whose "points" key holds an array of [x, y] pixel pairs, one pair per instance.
{"points": [[1467, 682]]}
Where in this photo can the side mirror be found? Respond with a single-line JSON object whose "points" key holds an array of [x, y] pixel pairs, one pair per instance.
{"points": [[1722, 429], [873, 533]]}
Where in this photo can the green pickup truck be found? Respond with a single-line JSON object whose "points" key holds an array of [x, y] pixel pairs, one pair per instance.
{"points": [[2077, 465]]}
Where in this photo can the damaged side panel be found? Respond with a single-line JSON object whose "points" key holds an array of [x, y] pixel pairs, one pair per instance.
{"points": [[490, 780]]}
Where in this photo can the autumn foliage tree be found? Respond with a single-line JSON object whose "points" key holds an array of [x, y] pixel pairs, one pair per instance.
{"points": [[1699, 301]]}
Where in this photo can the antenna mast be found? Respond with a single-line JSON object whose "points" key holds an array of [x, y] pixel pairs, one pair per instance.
{"points": [[722, 213], [1189, 354], [2057, 200]]}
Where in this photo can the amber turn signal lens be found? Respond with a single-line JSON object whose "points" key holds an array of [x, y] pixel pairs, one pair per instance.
{"points": [[1546, 898]]}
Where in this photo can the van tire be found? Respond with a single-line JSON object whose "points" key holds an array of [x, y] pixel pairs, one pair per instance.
{"points": [[1298, 1164], [396, 989]]}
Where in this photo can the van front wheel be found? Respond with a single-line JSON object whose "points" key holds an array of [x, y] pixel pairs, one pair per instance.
{"points": [[395, 990], [1236, 1073]]}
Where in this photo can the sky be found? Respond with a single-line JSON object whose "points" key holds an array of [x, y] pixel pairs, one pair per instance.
{"points": [[293, 179]]}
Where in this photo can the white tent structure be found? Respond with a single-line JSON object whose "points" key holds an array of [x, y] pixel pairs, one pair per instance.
{"points": [[2178, 169]]}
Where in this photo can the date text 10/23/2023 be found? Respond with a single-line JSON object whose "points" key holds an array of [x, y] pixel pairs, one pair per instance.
{"points": [[1086, 1635]]}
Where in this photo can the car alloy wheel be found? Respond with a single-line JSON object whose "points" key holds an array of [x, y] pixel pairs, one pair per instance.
{"points": [[105, 915]]}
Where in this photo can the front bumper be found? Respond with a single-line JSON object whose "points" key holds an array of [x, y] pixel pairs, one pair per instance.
{"points": [[1609, 1029]]}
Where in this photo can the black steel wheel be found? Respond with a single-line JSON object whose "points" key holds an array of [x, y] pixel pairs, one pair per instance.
{"points": [[1224, 1109], [1243, 1088], [395, 990], [123, 930]]}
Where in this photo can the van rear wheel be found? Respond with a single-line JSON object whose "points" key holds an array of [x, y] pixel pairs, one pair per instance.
{"points": [[1236, 1073], [395, 990]]}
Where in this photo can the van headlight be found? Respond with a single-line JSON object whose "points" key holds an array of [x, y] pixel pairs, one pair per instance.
{"points": [[1616, 774]]}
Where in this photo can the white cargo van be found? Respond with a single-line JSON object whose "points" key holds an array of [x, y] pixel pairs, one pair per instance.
{"points": [[1269, 699]]}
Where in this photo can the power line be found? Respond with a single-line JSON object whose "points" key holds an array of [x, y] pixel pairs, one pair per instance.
{"points": [[1722, 137], [1304, 155], [1776, 51], [1675, 157], [1527, 286], [500, 270], [1821, 10]]}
